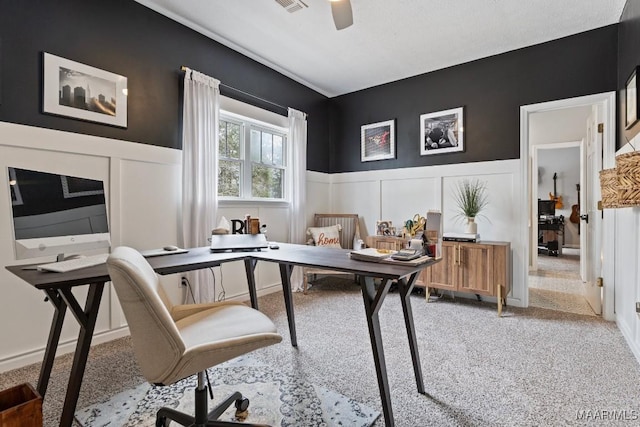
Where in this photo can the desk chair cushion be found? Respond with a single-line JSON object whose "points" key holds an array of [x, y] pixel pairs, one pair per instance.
{"points": [[169, 348]]}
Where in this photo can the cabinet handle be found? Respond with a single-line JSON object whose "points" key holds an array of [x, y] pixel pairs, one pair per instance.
{"points": [[459, 255]]}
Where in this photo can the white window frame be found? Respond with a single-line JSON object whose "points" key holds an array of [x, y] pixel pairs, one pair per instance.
{"points": [[246, 125]]}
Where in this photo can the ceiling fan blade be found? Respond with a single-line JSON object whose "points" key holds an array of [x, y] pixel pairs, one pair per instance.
{"points": [[342, 13]]}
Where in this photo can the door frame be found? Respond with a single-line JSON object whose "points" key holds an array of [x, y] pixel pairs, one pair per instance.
{"points": [[608, 102], [534, 153]]}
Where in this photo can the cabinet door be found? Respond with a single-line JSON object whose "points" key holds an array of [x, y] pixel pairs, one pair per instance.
{"points": [[443, 274], [475, 263], [386, 244]]}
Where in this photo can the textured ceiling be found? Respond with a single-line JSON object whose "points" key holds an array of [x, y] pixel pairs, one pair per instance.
{"points": [[389, 40]]}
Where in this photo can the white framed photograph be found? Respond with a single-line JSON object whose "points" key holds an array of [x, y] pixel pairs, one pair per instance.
{"points": [[442, 132], [378, 141], [72, 89]]}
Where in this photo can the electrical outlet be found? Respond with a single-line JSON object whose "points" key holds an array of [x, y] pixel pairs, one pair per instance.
{"points": [[183, 282]]}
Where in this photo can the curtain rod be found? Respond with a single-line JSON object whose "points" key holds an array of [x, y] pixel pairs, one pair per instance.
{"points": [[183, 68]]}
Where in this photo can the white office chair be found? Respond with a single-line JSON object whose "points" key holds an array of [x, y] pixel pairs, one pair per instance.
{"points": [[172, 342]]}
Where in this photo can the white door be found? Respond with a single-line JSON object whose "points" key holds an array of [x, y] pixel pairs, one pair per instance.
{"points": [[591, 217]]}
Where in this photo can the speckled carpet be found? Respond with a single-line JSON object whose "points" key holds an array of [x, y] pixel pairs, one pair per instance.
{"points": [[557, 285], [531, 367]]}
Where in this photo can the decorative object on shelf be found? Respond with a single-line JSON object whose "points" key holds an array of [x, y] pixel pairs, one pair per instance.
{"points": [[383, 228], [609, 188], [628, 176], [554, 196], [415, 224], [83, 92], [631, 99], [442, 132], [378, 141], [471, 198]]}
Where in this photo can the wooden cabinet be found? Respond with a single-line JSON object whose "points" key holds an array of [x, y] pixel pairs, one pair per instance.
{"points": [[394, 244], [482, 268]]}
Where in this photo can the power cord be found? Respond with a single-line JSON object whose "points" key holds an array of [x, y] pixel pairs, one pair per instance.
{"points": [[185, 282], [222, 295]]}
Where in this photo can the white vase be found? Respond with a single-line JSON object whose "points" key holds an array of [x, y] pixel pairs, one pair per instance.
{"points": [[472, 227]]}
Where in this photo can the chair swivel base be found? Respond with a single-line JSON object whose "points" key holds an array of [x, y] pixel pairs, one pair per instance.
{"points": [[202, 418]]}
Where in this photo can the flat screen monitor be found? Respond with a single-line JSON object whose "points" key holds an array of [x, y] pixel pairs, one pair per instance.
{"points": [[546, 207], [56, 214]]}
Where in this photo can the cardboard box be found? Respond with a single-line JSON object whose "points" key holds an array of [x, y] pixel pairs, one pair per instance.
{"points": [[20, 406]]}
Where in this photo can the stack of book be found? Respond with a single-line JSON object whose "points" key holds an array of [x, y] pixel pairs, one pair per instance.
{"points": [[461, 237], [371, 254], [384, 256]]}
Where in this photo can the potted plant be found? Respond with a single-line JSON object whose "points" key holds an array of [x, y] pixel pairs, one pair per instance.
{"points": [[471, 198]]}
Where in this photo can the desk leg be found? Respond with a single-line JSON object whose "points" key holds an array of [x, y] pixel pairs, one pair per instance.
{"points": [[87, 319], [250, 268], [285, 276], [405, 296], [372, 303], [52, 342]]}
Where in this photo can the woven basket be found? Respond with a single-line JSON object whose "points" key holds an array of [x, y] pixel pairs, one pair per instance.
{"points": [[609, 188], [628, 173]]}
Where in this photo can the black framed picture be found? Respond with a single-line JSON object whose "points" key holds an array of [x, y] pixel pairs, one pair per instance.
{"points": [[442, 132], [0, 71], [631, 99]]}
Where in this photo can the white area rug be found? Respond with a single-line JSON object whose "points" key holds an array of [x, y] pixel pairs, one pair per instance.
{"points": [[276, 398]]}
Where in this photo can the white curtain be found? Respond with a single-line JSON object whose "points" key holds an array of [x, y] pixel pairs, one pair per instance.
{"points": [[298, 162], [199, 172]]}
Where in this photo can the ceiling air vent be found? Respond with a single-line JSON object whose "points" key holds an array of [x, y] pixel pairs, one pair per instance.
{"points": [[292, 5]]}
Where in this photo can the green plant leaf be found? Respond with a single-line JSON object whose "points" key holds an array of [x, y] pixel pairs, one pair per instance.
{"points": [[471, 198]]}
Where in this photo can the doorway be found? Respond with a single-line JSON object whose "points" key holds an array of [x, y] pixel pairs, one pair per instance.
{"points": [[555, 280], [596, 239]]}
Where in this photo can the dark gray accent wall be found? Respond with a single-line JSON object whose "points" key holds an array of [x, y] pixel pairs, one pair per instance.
{"points": [[628, 59], [127, 38], [491, 90]]}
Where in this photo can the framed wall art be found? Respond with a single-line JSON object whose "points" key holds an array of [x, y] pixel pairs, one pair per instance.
{"points": [[442, 132], [72, 89], [378, 141], [0, 71], [631, 99]]}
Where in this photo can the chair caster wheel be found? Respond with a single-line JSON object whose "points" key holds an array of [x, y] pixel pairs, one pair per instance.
{"points": [[242, 406], [162, 422]]}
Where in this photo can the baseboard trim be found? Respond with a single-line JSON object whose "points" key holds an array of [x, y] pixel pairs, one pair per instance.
{"points": [[626, 333], [36, 356]]}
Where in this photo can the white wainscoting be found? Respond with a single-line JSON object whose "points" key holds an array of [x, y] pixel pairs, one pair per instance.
{"points": [[626, 267], [142, 190], [398, 194], [142, 184]]}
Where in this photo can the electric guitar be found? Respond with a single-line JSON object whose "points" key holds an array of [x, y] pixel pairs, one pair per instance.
{"points": [[575, 209], [554, 196]]}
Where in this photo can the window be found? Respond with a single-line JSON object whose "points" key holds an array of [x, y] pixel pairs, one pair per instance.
{"points": [[251, 162]]}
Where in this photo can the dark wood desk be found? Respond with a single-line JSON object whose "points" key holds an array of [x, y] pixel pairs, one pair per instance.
{"points": [[331, 259], [58, 287]]}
